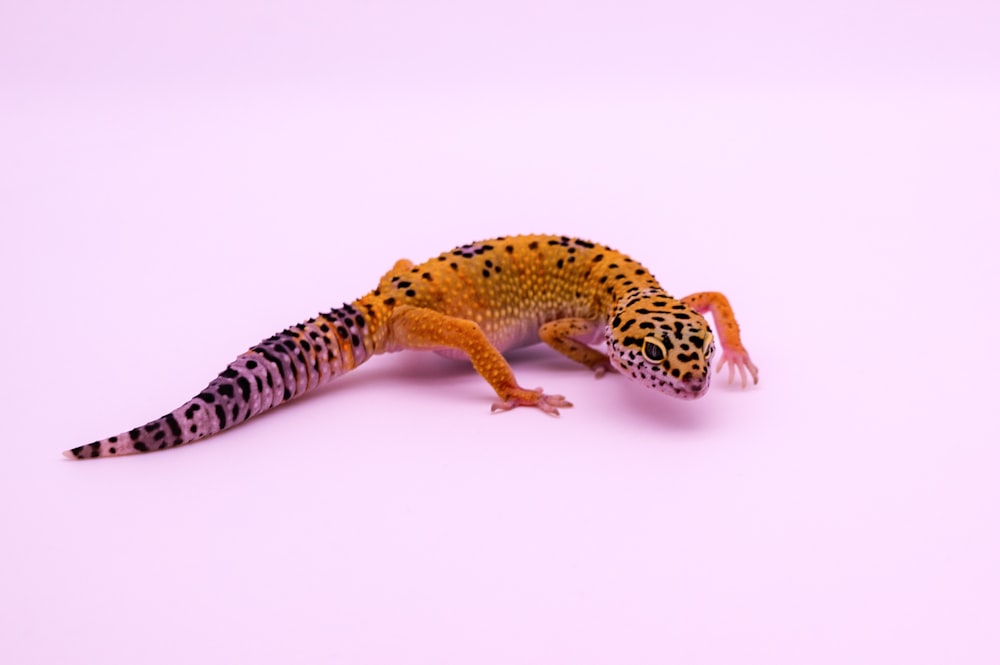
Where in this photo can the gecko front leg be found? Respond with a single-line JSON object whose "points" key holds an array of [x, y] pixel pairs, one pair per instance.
{"points": [[572, 337], [734, 354]]}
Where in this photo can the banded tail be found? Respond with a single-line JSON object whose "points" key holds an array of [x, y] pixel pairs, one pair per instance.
{"points": [[280, 368]]}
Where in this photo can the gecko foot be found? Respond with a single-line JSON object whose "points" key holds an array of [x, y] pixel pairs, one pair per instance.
{"points": [[601, 368], [549, 404], [738, 360]]}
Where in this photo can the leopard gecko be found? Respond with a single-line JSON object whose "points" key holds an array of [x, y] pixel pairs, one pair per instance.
{"points": [[474, 302]]}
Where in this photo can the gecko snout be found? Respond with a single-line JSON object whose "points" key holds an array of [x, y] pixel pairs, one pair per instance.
{"points": [[693, 385]]}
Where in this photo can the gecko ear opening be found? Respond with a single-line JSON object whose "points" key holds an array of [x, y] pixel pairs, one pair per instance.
{"points": [[653, 350]]}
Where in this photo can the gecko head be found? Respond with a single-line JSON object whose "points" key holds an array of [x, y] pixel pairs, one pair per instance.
{"points": [[662, 343]]}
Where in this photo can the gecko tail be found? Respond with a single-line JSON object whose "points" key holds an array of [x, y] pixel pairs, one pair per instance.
{"points": [[244, 389], [155, 435], [280, 368]]}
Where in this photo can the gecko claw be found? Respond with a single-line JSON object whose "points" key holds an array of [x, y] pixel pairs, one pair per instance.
{"points": [[738, 360], [549, 404], [600, 369]]}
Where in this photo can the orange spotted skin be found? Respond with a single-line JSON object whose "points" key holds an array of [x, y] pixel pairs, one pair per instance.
{"points": [[475, 302]]}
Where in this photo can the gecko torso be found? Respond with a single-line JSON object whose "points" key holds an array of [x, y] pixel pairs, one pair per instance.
{"points": [[474, 302]]}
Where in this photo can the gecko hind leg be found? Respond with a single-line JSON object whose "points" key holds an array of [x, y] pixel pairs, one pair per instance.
{"points": [[420, 328], [399, 266]]}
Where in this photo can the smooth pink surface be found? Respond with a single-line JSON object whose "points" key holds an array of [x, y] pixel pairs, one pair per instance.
{"points": [[177, 182]]}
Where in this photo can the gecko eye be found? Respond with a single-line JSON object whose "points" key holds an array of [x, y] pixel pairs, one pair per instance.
{"points": [[653, 350], [709, 346]]}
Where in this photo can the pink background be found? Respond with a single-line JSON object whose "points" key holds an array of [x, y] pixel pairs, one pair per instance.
{"points": [[179, 181]]}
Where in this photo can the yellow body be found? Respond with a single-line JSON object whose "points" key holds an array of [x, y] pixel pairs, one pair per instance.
{"points": [[486, 297]]}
